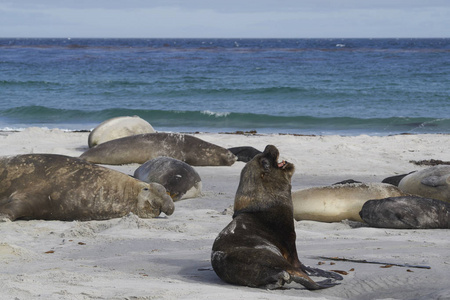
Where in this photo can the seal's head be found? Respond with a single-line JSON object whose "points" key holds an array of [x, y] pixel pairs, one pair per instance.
{"points": [[264, 182], [228, 158], [152, 200]]}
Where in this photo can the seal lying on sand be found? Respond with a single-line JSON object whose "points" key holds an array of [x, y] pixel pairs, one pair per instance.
{"points": [[338, 202], [257, 248], [57, 187], [244, 153], [143, 147], [408, 212], [432, 182], [180, 179], [117, 128]]}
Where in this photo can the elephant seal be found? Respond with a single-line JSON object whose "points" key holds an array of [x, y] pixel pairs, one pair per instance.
{"points": [[118, 127], [244, 153], [408, 212], [180, 179], [257, 248], [57, 187], [143, 147], [432, 182], [338, 202]]}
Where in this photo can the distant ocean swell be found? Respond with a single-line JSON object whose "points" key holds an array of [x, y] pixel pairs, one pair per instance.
{"points": [[219, 122]]}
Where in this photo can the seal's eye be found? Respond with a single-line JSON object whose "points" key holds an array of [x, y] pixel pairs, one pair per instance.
{"points": [[145, 189], [265, 164]]}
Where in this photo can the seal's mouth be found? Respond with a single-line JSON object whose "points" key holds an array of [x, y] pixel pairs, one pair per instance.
{"points": [[271, 152], [282, 164]]}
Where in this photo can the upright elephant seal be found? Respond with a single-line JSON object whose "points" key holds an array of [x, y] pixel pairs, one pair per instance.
{"points": [[180, 179], [408, 212], [432, 182], [143, 147], [117, 128], [57, 187], [338, 202], [257, 248]]}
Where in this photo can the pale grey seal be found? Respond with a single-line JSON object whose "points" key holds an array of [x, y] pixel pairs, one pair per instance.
{"points": [[432, 182], [117, 128], [338, 202]]}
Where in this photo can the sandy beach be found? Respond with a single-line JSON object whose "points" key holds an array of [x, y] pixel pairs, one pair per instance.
{"points": [[169, 257]]}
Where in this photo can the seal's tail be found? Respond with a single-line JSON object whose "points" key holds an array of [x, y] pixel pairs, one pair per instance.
{"points": [[303, 279], [321, 273]]}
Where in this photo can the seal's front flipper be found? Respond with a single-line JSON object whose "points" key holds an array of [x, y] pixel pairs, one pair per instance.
{"points": [[435, 181], [4, 217], [321, 273], [278, 280], [17, 206]]}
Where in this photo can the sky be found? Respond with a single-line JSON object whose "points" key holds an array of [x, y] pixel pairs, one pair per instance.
{"points": [[225, 18]]}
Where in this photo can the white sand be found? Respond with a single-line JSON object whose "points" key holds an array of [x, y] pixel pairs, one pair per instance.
{"points": [[169, 257]]}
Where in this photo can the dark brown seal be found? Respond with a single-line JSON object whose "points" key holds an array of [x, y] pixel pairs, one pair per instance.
{"points": [[143, 147], [257, 248], [57, 187]]}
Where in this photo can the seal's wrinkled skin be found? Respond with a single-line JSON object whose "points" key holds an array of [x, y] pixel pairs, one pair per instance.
{"points": [[257, 248], [57, 187], [407, 212], [143, 147], [432, 182]]}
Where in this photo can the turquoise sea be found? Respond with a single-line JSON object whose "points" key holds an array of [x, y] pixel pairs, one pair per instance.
{"points": [[302, 86]]}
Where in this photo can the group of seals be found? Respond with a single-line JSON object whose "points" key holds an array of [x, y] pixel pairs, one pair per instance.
{"points": [[257, 248], [338, 202], [143, 147], [57, 187], [421, 201], [427, 205]]}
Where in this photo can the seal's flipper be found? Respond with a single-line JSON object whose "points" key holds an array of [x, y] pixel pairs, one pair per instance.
{"points": [[311, 285], [283, 277], [278, 280], [435, 181], [14, 208], [4, 218], [327, 283], [321, 273]]}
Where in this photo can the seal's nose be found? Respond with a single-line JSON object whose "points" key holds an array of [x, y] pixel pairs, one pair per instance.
{"points": [[168, 206]]}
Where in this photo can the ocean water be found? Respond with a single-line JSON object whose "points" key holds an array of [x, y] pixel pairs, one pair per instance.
{"points": [[302, 86]]}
